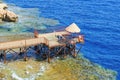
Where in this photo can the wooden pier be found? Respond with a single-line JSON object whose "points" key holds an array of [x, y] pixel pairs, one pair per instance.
{"points": [[46, 45]]}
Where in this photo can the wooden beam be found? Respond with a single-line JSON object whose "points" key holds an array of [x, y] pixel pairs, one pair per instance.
{"points": [[60, 50]]}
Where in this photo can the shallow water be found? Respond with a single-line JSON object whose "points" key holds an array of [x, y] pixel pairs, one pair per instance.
{"points": [[98, 20], [28, 21]]}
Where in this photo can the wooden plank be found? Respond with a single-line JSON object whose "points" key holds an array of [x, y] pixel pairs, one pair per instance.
{"points": [[55, 43], [12, 44], [54, 34], [22, 43], [49, 39]]}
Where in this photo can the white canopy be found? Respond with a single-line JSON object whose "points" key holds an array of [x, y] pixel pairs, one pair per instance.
{"points": [[73, 28]]}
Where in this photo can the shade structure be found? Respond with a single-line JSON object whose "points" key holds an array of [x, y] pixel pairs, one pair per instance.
{"points": [[73, 28]]}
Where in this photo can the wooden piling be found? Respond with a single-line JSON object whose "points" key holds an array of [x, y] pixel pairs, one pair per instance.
{"points": [[48, 56], [74, 52], [4, 53], [25, 54], [65, 53]]}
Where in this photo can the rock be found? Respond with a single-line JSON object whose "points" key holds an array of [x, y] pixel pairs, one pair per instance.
{"points": [[2, 14], [6, 15], [10, 16], [3, 6]]}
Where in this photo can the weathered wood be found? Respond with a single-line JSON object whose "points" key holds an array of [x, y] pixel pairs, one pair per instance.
{"points": [[48, 56], [65, 53], [74, 52]]}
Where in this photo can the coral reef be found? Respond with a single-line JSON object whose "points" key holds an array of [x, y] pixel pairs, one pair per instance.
{"points": [[67, 69]]}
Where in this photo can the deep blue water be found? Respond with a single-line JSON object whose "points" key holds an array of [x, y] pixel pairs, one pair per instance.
{"points": [[99, 21]]}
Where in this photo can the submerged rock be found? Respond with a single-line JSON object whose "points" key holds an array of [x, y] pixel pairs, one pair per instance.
{"points": [[29, 67], [2, 75], [16, 77], [42, 69], [27, 72]]}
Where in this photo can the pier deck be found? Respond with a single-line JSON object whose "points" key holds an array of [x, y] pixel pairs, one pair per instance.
{"points": [[51, 41]]}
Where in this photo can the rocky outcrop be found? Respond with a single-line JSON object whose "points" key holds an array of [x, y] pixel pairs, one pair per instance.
{"points": [[10, 16], [2, 14], [6, 15], [3, 6]]}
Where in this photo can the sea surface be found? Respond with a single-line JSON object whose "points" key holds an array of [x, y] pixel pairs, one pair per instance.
{"points": [[99, 21]]}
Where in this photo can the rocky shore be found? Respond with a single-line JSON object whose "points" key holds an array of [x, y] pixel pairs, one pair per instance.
{"points": [[6, 15]]}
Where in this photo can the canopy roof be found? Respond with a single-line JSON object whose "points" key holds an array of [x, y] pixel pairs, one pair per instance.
{"points": [[73, 28]]}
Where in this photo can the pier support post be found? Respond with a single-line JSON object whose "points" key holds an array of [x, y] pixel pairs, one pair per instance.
{"points": [[25, 54], [65, 56], [79, 49], [20, 50], [36, 49], [4, 53], [49, 56], [74, 52]]}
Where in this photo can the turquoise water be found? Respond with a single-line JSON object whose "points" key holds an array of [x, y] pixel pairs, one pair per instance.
{"points": [[98, 20], [28, 21]]}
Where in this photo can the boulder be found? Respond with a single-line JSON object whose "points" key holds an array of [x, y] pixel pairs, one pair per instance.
{"points": [[10, 16], [3, 6], [6, 15], [2, 14]]}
